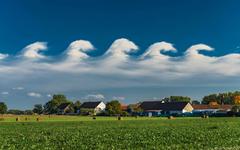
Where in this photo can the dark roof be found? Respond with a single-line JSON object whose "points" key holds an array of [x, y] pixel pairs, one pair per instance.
{"points": [[159, 105], [63, 105], [90, 104]]}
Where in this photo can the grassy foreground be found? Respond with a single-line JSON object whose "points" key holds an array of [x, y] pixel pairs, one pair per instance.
{"points": [[129, 133]]}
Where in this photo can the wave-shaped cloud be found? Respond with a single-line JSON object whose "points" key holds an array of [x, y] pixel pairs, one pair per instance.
{"points": [[33, 51], [118, 66], [154, 51], [119, 52], [77, 49]]}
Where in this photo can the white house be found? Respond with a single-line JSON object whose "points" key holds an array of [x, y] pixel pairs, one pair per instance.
{"points": [[95, 107], [156, 108]]}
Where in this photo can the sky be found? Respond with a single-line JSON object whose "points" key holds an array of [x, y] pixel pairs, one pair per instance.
{"points": [[128, 50]]}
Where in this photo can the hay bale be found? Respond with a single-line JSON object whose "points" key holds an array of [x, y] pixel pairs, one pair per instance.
{"points": [[38, 119], [205, 116], [17, 119], [119, 118], [170, 117]]}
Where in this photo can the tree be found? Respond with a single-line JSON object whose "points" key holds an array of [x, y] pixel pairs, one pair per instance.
{"points": [[77, 106], [221, 98], [70, 108], [28, 112], [15, 112], [177, 99], [209, 98], [134, 108], [3, 108], [38, 108], [195, 102], [113, 107], [237, 100], [236, 109], [51, 106]]}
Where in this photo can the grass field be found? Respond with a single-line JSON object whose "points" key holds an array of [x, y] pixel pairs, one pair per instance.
{"points": [[73, 132]]}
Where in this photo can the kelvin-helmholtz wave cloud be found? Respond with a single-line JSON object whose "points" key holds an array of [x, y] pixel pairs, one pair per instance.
{"points": [[119, 62], [119, 66]]}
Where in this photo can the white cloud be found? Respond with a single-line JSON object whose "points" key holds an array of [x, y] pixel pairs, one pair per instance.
{"points": [[194, 50], [33, 94], [77, 49], [94, 97], [121, 47], [33, 50], [18, 88], [119, 51], [3, 56], [154, 51], [5, 93], [121, 98], [117, 67]]}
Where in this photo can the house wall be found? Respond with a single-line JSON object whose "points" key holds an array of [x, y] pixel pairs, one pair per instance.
{"points": [[151, 113], [101, 107], [175, 112], [188, 108]]}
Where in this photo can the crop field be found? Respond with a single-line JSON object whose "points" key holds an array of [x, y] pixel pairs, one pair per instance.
{"points": [[73, 132]]}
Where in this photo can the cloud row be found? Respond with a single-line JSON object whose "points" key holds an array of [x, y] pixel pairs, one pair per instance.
{"points": [[118, 64]]}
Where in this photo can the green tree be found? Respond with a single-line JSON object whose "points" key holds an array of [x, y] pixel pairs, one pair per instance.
{"points": [[177, 99], [15, 112], [77, 106], [134, 108], [3, 108], [195, 102], [28, 112], [70, 108], [38, 108], [221, 98], [236, 109], [113, 107], [51, 106], [210, 98]]}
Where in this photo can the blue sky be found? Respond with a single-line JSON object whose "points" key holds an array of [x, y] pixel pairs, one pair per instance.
{"points": [[29, 73]]}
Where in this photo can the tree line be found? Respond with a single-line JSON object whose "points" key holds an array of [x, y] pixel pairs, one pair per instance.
{"points": [[114, 107], [51, 107]]}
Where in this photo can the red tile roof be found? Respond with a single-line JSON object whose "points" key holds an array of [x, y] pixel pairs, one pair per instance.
{"points": [[124, 107], [200, 106]]}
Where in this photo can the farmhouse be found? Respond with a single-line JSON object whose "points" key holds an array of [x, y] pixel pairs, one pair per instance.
{"points": [[64, 108], [155, 108], [211, 108], [124, 107], [92, 107]]}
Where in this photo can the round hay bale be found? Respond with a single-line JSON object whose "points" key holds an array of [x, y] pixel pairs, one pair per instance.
{"points": [[170, 117], [119, 118], [38, 119], [17, 119], [205, 116]]}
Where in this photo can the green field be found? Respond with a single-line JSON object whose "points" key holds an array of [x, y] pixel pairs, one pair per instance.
{"points": [[129, 133]]}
